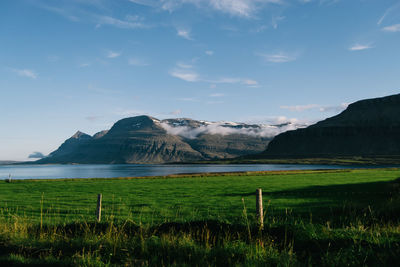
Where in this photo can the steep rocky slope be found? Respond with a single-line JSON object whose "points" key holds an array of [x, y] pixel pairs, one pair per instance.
{"points": [[366, 128], [144, 139]]}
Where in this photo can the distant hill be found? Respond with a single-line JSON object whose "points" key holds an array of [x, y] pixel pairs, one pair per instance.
{"points": [[369, 128], [144, 139], [6, 162]]}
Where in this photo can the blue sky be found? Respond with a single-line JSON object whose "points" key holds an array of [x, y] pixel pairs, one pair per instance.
{"points": [[68, 65]]}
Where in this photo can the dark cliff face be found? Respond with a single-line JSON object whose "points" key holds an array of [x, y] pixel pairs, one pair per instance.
{"points": [[142, 139], [366, 128]]}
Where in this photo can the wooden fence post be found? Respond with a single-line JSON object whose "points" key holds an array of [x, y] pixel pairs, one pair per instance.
{"points": [[259, 208], [98, 210]]}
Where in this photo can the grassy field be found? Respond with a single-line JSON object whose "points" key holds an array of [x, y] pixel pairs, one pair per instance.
{"points": [[321, 218]]}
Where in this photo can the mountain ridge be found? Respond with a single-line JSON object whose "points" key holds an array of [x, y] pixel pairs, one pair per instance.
{"points": [[145, 139], [369, 127]]}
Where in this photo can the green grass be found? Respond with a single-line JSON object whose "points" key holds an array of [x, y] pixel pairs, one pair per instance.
{"points": [[324, 218]]}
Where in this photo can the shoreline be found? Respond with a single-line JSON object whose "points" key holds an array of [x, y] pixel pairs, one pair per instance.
{"points": [[206, 174]]}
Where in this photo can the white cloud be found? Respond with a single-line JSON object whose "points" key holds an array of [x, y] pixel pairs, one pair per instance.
{"points": [[392, 28], [387, 12], [250, 82], [230, 80], [321, 108], [151, 3], [128, 23], [75, 11], [278, 58], [238, 8], [359, 47], [337, 108], [241, 8], [112, 54], [186, 75], [225, 128], [185, 72], [209, 52], [217, 95], [26, 73], [184, 34]]}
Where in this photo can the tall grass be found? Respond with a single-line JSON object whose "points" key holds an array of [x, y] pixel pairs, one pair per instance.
{"points": [[356, 238], [331, 225]]}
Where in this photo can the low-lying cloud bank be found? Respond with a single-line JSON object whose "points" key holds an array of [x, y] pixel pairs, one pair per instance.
{"points": [[222, 128]]}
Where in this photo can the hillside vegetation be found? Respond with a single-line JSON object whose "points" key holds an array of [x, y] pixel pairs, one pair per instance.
{"points": [[321, 218]]}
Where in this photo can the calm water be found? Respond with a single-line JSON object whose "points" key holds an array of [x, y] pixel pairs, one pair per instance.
{"points": [[131, 170]]}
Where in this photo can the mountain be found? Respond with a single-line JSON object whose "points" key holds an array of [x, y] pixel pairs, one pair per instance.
{"points": [[145, 139], [366, 128], [7, 162]]}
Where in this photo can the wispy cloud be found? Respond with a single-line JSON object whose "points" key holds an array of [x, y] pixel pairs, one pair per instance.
{"points": [[237, 8], [76, 11], [66, 13], [392, 28], [217, 95], [387, 12], [186, 75], [241, 8], [209, 53], [25, 73], [113, 54], [277, 58], [130, 22], [359, 47], [150, 3], [184, 33], [321, 108], [336, 108], [233, 80]]}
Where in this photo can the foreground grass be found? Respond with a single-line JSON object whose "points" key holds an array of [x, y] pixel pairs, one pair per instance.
{"points": [[321, 218]]}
